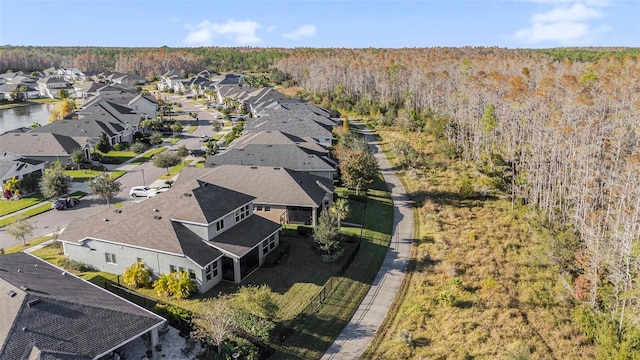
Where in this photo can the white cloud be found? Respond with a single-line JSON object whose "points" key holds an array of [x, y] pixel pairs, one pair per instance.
{"points": [[301, 32], [569, 22], [240, 32], [271, 28]]}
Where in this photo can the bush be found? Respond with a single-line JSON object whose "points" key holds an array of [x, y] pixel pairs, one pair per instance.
{"points": [[138, 147], [118, 147], [277, 254], [172, 312], [73, 265]]}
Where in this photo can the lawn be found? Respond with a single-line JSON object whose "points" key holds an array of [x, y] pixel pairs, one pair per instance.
{"points": [[32, 242], [37, 209], [10, 206]]}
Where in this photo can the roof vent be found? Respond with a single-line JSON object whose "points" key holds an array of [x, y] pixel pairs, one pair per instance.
{"points": [[105, 219], [117, 211], [11, 293], [64, 273], [19, 270], [36, 265], [254, 167], [276, 168], [24, 288], [157, 217], [33, 302], [155, 210]]}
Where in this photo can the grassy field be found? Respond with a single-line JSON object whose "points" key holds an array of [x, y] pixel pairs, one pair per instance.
{"points": [[10, 206], [479, 286]]}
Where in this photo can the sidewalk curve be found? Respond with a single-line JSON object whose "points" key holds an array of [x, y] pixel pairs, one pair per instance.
{"points": [[358, 333]]}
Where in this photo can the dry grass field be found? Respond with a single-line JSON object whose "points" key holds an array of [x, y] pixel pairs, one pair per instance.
{"points": [[480, 285]]}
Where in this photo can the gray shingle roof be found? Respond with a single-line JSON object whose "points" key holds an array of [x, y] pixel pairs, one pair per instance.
{"points": [[241, 238], [289, 156], [275, 137], [156, 222], [271, 185], [61, 316], [37, 143]]}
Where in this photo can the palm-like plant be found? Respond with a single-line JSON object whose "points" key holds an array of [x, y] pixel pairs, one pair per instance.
{"points": [[340, 209], [137, 275]]}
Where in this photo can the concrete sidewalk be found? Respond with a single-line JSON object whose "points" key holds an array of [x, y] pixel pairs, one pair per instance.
{"points": [[358, 333]]}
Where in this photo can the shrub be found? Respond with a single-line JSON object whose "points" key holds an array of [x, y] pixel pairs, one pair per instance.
{"points": [[175, 284], [73, 265], [137, 275], [277, 254], [118, 147], [138, 147], [173, 312]]}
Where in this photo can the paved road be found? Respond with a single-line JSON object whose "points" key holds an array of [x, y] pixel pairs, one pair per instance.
{"points": [[358, 333]]}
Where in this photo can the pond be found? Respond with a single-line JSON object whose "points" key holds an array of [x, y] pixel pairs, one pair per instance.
{"points": [[24, 116]]}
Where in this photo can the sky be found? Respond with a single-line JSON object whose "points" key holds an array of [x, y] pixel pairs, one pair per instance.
{"points": [[321, 24]]}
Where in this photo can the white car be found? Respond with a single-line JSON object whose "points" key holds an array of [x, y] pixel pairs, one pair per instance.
{"points": [[140, 191], [155, 192]]}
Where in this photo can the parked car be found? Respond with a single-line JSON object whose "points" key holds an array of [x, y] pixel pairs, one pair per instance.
{"points": [[197, 152], [157, 191], [204, 138], [140, 191], [64, 203]]}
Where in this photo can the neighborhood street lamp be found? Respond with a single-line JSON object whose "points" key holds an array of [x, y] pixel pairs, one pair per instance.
{"points": [[143, 182]]}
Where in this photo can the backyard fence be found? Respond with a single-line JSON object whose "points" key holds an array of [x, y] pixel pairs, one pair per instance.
{"points": [[148, 303]]}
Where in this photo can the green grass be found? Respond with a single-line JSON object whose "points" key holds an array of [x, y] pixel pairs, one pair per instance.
{"points": [[315, 333], [175, 170], [32, 242], [148, 155], [36, 210], [11, 206], [83, 175]]}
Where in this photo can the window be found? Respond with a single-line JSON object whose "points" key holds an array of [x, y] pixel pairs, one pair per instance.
{"points": [[220, 225], [111, 258], [172, 268], [192, 274], [242, 213], [269, 244], [267, 208], [258, 207], [211, 269]]}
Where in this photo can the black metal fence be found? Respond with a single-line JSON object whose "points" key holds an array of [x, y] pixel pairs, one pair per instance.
{"points": [[320, 297]]}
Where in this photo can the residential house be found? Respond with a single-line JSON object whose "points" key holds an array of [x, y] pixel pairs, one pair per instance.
{"points": [[48, 313], [46, 147], [118, 122], [316, 127], [197, 227], [51, 86], [171, 80], [274, 137], [16, 166], [281, 195], [288, 156]]}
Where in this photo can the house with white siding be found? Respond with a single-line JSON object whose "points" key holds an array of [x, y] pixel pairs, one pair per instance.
{"points": [[205, 230]]}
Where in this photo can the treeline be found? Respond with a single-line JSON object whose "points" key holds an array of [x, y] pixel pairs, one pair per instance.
{"points": [[140, 61], [558, 135], [589, 54]]}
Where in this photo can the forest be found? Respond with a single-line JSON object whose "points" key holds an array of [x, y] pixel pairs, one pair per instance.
{"points": [[552, 134], [555, 132]]}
